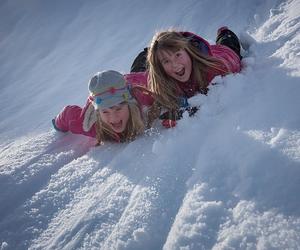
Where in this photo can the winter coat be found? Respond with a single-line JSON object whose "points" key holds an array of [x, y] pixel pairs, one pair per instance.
{"points": [[231, 62], [72, 117]]}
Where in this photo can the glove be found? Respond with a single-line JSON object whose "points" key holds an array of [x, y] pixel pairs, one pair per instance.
{"points": [[169, 118], [192, 110], [167, 123]]}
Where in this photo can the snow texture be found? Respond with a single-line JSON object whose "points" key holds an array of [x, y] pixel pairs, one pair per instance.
{"points": [[227, 178]]}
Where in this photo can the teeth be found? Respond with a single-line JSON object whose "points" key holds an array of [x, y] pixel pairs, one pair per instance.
{"points": [[117, 125], [180, 73]]}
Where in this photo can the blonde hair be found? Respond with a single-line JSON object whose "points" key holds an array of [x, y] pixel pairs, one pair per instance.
{"points": [[164, 86], [135, 126]]}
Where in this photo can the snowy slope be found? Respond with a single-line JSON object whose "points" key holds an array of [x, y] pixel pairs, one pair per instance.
{"points": [[228, 178]]}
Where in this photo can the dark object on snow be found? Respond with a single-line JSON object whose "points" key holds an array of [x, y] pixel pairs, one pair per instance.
{"points": [[177, 114], [228, 38], [140, 62], [56, 128]]}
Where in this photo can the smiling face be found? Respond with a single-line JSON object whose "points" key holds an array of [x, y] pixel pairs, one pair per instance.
{"points": [[177, 65], [116, 117]]}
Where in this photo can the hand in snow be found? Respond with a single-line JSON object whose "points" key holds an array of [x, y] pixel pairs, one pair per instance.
{"points": [[167, 123]]}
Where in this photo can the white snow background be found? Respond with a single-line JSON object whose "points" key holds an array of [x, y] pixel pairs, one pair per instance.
{"points": [[228, 178]]}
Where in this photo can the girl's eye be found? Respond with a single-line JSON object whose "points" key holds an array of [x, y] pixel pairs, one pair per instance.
{"points": [[119, 107], [164, 61], [178, 54]]}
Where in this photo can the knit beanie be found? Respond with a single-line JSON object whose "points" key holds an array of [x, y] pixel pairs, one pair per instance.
{"points": [[108, 88]]}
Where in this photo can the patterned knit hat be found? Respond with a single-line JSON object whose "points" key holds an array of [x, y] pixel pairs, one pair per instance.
{"points": [[108, 88]]}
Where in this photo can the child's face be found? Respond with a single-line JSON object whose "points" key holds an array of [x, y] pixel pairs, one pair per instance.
{"points": [[116, 117], [177, 64]]}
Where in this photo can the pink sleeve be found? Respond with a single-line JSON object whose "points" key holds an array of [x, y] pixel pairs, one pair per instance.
{"points": [[137, 78], [230, 60], [140, 79], [71, 119]]}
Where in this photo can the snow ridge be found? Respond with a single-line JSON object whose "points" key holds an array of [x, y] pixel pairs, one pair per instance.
{"points": [[227, 178]]}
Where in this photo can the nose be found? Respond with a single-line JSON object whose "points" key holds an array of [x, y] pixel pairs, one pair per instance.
{"points": [[114, 118], [174, 64]]}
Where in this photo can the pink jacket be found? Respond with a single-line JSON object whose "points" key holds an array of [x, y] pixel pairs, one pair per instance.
{"points": [[231, 62], [71, 117]]}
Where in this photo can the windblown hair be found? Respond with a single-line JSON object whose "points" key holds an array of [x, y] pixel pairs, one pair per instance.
{"points": [[135, 126], [165, 87]]}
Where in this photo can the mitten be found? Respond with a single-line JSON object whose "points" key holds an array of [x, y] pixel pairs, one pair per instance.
{"points": [[167, 123]]}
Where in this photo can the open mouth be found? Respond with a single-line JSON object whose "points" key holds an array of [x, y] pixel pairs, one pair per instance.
{"points": [[181, 72], [117, 125]]}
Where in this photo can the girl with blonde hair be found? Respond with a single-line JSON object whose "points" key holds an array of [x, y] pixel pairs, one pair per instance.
{"points": [[113, 112], [182, 64]]}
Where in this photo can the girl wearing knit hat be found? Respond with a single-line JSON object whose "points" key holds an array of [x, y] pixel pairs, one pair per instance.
{"points": [[114, 109]]}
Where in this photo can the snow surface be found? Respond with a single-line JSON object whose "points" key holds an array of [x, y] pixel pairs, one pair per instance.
{"points": [[228, 178]]}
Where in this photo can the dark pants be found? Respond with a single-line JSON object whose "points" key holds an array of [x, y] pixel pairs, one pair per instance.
{"points": [[229, 39]]}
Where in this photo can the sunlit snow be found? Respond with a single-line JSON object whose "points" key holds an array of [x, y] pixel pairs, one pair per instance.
{"points": [[227, 178]]}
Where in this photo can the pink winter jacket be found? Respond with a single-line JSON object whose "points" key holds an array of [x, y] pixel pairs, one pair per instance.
{"points": [[71, 117], [231, 63]]}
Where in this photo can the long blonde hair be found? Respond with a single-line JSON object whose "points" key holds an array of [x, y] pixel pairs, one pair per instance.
{"points": [[135, 126], [164, 86]]}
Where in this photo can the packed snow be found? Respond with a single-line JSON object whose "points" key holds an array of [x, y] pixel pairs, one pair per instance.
{"points": [[227, 178]]}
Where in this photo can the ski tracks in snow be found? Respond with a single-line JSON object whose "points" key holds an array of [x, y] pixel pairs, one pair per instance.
{"points": [[102, 199], [27, 165], [120, 205]]}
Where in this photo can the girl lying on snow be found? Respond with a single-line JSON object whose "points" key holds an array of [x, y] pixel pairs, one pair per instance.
{"points": [[182, 64], [114, 110]]}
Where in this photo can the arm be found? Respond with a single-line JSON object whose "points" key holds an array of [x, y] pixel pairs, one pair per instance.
{"points": [[139, 84], [71, 119], [230, 60]]}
